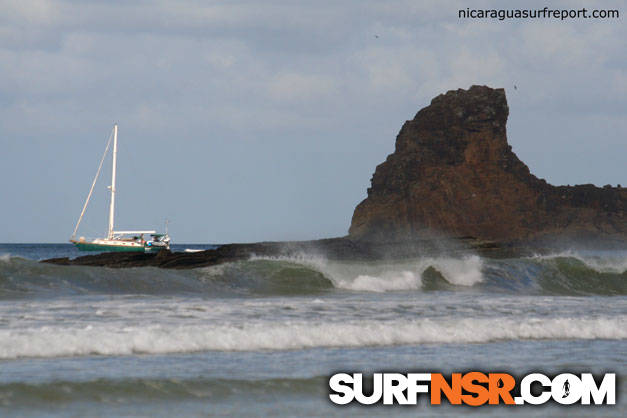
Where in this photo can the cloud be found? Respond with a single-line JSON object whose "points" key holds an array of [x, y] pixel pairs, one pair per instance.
{"points": [[290, 87], [300, 77]]}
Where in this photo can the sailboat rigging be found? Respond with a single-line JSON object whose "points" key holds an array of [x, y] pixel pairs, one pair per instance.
{"points": [[117, 240]]}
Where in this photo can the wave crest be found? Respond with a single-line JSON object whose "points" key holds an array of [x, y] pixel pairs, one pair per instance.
{"points": [[174, 338], [565, 273], [614, 263], [398, 275]]}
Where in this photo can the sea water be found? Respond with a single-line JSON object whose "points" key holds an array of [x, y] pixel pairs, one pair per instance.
{"points": [[261, 337]]}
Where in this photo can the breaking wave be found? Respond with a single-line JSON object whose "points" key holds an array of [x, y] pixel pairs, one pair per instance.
{"points": [[383, 276], [565, 273], [112, 339], [611, 263]]}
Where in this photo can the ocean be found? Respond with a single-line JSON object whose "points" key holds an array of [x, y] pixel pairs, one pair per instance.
{"points": [[262, 337]]}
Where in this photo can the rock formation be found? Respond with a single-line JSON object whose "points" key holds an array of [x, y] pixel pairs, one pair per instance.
{"points": [[330, 248], [453, 172]]}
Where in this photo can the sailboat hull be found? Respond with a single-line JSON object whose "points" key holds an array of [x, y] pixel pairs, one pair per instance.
{"points": [[89, 246], [119, 241]]}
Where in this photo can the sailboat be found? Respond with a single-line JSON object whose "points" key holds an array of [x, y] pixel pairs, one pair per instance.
{"points": [[118, 240]]}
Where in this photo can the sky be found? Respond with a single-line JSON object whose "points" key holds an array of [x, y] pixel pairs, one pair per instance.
{"points": [[245, 121]]}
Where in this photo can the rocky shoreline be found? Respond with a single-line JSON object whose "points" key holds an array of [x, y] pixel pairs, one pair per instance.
{"points": [[342, 248], [452, 186]]}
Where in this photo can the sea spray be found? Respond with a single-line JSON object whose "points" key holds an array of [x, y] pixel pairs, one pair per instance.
{"points": [[465, 271], [564, 273], [611, 262], [390, 275], [103, 341], [404, 280]]}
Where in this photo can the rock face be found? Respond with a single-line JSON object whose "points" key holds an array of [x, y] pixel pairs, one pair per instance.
{"points": [[453, 172]]}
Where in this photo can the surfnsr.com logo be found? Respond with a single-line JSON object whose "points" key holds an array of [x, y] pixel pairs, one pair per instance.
{"points": [[472, 388]]}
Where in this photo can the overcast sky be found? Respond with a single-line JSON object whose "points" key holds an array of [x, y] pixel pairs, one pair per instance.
{"points": [[250, 120]]}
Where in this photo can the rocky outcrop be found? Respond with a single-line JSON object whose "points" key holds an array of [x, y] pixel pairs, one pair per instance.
{"points": [[453, 172], [331, 248]]}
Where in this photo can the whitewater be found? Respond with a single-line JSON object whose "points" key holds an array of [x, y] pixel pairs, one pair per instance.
{"points": [[261, 336]]}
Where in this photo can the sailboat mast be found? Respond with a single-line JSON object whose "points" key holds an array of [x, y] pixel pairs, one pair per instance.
{"points": [[115, 156]]}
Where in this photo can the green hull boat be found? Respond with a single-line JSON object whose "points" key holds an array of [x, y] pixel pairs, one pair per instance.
{"points": [[118, 241]]}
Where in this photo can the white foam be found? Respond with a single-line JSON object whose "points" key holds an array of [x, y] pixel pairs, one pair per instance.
{"points": [[172, 338], [384, 276], [5, 258], [464, 271], [403, 280]]}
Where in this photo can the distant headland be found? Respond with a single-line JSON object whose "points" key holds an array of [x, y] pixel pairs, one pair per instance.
{"points": [[454, 172], [454, 183]]}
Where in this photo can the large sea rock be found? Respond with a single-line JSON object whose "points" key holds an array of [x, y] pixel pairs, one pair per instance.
{"points": [[454, 173]]}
